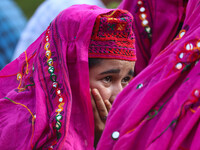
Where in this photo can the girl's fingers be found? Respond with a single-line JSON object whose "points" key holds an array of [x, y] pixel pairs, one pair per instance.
{"points": [[108, 105], [97, 118], [101, 107]]}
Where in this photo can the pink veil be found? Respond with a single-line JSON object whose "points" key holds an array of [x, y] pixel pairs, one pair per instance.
{"points": [[160, 108], [44, 94]]}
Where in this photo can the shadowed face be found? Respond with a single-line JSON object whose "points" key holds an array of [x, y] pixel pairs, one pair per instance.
{"points": [[110, 76]]}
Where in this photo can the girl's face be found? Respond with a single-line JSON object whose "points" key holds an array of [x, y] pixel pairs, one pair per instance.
{"points": [[110, 76]]}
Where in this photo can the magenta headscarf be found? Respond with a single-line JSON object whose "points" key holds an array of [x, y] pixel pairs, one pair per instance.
{"points": [[160, 108], [156, 23], [44, 94]]}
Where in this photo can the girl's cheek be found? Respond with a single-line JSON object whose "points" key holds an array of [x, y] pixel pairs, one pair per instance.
{"points": [[105, 93]]}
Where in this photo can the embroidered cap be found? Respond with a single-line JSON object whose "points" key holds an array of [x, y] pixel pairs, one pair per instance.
{"points": [[113, 37]]}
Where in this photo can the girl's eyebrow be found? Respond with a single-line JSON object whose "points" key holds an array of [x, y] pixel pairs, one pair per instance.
{"points": [[110, 71]]}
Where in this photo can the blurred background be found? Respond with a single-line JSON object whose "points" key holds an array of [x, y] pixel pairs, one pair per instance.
{"points": [[29, 6], [22, 21]]}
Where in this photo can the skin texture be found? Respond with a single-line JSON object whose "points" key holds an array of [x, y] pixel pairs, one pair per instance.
{"points": [[107, 80]]}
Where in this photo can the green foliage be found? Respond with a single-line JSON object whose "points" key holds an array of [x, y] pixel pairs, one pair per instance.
{"points": [[28, 6], [113, 5]]}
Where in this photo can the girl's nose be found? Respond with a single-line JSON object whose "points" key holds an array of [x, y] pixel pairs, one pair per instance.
{"points": [[115, 91]]}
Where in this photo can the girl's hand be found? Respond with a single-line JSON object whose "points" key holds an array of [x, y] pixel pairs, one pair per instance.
{"points": [[100, 110]]}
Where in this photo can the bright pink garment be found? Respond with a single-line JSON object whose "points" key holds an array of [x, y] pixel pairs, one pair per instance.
{"points": [[155, 25], [160, 108], [44, 94]]}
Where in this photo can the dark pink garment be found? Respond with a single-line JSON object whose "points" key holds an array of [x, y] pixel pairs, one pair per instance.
{"points": [[160, 108], [28, 117], [164, 19]]}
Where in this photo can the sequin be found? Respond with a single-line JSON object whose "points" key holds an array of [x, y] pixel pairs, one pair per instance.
{"points": [[142, 9], [50, 148], [55, 85], [50, 62], [59, 110], [19, 76], [145, 22], [143, 16], [179, 65], [196, 93], [48, 54], [148, 29], [58, 92], [139, 86], [182, 33], [46, 46], [139, 2], [58, 125], [189, 46], [60, 99], [181, 55], [47, 38], [51, 69], [58, 117], [198, 44], [53, 77], [115, 135]]}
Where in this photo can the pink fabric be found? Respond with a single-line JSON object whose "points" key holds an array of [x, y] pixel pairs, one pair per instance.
{"points": [[163, 23], [160, 108], [33, 94]]}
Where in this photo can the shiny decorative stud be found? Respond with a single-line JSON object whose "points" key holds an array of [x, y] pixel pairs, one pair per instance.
{"points": [[145, 22], [59, 110], [140, 2], [179, 66], [47, 38], [142, 9], [189, 46], [58, 117], [197, 93], [148, 29], [139, 86], [115, 135], [48, 54], [50, 62], [181, 55], [19, 76], [60, 99], [46, 46], [198, 45], [58, 125], [58, 92], [182, 33], [51, 69], [143, 16], [55, 85]]}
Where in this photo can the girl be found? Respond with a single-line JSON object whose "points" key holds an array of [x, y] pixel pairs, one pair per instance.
{"points": [[45, 101]]}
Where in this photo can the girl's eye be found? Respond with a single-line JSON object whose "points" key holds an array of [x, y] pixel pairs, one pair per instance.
{"points": [[107, 79], [126, 80]]}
